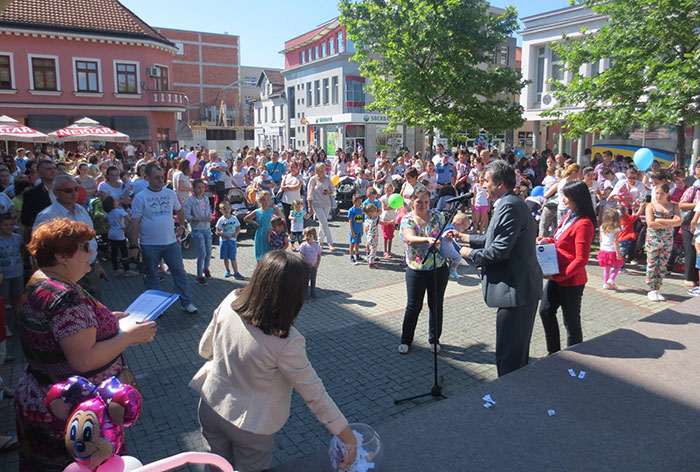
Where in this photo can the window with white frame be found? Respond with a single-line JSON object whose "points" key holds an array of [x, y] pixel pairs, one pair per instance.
{"points": [[503, 57], [334, 90], [317, 92], [331, 46], [6, 82], [302, 57], [309, 100], [273, 114], [44, 73], [325, 91], [87, 76], [595, 68], [127, 77], [250, 81], [180, 49], [316, 56], [323, 49], [539, 77], [265, 114], [259, 115], [556, 67]]}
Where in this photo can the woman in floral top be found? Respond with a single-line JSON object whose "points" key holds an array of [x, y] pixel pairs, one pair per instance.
{"points": [[64, 332], [419, 229]]}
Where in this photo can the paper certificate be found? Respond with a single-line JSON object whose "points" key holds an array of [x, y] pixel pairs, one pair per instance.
{"points": [[147, 307], [547, 257]]}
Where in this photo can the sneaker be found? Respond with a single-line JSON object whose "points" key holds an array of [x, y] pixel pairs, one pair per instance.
{"points": [[200, 280], [352, 260], [454, 274], [695, 292], [652, 295], [227, 274], [371, 265], [387, 255], [606, 286], [612, 285], [435, 348], [238, 276], [131, 273], [119, 272], [207, 273], [360, 258], [403, 348], [190, 308], [659, 297]]}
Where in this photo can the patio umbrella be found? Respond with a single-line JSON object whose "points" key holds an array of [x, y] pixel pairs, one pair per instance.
{"points": [[87, 129], [13, 130]]}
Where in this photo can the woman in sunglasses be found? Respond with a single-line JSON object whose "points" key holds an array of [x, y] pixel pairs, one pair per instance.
{"points": [[64, 332]]}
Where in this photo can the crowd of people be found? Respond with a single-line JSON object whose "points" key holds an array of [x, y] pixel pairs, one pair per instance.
{"points": [[63, 207]]}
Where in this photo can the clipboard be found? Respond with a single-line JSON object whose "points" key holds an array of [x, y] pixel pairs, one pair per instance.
{"points": [[147, 307]]}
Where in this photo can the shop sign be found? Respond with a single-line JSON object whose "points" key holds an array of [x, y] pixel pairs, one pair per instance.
{"points": [[376, 119]]}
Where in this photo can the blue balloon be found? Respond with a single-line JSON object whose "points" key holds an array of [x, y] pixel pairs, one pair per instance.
{"points": [[537, 191], [520, 153], [643, 158]]}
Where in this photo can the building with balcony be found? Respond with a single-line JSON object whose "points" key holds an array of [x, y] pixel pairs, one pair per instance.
{"points": [[540, 63], [327, 99], [269, 111], [61, 60]]}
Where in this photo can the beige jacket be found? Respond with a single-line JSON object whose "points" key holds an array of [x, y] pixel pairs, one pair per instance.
{"points": [[249, 375]]}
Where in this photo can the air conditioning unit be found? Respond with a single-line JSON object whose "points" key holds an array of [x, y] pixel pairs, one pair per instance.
{"points": [[548, 100], [154, 72]]}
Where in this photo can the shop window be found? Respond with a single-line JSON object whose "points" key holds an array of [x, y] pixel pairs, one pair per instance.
{"points": [[163, 134]]}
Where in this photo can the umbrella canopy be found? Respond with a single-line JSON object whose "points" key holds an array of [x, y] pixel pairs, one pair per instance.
{"points": [[13, 130], [88, 130]]}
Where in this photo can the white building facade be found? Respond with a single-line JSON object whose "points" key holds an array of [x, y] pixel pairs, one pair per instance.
{"points": [[327, 98], [270, 111], [540, 63]]}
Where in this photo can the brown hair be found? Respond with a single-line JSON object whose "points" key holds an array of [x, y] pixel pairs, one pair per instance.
{"points": [[58, 237], [275, 294]]}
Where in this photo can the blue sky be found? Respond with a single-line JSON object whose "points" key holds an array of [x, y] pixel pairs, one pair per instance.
{"points": [[264, 25]]}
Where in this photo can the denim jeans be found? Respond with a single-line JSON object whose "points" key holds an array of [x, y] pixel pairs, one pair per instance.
{"points": [[172, 255], [202, 241], [624, 250]]}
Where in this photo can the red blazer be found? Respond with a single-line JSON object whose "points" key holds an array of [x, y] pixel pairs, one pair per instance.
{"points": [[573, 250]]}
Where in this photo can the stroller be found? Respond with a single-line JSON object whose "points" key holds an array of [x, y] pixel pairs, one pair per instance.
{"points": [[344, 193], [240, 207]]}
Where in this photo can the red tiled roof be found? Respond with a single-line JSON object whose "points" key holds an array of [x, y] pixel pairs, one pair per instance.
{"points": [[107, 17]]}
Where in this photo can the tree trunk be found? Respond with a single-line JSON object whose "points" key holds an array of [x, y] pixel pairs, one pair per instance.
{"points": [[431, 140], [680, 145]]}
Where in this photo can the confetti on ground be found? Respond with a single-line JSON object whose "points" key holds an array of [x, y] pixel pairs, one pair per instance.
{"points": [[551, 412]]}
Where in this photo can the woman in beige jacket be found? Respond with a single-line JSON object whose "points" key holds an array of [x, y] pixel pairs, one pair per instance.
{"points": [[254, 358]]}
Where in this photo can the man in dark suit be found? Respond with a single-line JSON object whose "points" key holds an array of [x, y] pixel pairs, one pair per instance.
{"points": [[511, 276], [39, 197]]}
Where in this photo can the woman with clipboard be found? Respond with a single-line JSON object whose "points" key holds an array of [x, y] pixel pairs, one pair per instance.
{"points": [[572, 239]]}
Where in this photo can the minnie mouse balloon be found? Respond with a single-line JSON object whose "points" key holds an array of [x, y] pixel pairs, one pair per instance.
{"points": [[643, 158]]}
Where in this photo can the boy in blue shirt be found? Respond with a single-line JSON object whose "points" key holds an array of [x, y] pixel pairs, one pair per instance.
{"points": [[372, 197], [356, 218]]}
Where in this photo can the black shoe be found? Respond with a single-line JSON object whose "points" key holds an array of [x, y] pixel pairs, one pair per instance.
{"points": [[200, 280]]}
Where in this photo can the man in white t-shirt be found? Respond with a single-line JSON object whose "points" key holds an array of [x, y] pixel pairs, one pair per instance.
{"points": [[153, 226], [130, 151]]}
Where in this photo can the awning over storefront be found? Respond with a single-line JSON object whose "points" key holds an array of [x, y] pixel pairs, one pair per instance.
{"points": [[48, 123], [183, 132], [135, 126]]}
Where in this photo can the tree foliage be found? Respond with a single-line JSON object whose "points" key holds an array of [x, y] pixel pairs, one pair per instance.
{"points": [[653, 77], [426, 62]]}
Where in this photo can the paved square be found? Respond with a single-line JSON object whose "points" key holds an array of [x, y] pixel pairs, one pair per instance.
{"points": [[352, 331]]}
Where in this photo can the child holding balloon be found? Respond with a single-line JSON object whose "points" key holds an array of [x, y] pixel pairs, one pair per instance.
{"points": [[387, 217]]}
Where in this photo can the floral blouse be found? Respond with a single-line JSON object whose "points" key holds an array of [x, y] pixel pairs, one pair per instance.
{"points": [[416, 252]]}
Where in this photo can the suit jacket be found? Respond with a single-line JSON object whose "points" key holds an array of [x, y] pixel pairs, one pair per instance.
{"points": [[510, 273], [573, 250], [35, 200]]}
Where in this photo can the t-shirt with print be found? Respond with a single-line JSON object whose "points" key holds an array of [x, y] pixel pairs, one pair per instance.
{"points": [[228, 225], [356, 218], [11, 256], [117, 193], [311, 252], [156, 212], [115, 218], [298, 221]]}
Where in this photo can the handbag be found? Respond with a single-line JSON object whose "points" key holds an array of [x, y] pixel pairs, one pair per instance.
{"points": [[687, 215], [280, 193]]}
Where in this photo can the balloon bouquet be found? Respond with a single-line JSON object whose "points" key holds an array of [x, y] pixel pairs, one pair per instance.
{"points": [[95, 420]]}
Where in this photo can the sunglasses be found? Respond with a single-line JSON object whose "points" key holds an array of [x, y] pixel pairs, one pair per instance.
{"points": [[84, 246], [68, 190]]}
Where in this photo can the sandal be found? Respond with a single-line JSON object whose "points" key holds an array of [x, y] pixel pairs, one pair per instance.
{"points": [[9, 445]]}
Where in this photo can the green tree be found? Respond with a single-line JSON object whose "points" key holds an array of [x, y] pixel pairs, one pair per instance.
{"points": [[426, 61], [654, 47]]}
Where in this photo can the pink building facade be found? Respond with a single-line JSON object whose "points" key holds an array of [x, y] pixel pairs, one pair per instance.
{"points": [[55, 70]]}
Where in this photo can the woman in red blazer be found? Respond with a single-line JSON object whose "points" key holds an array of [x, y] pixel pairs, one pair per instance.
{"points": [[573, 239]]}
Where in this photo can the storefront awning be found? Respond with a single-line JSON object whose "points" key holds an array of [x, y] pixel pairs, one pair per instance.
{"points": [[47, 123], [135, 126]]}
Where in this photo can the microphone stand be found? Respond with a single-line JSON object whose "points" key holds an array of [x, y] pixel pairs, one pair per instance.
{"points": [[436, 390]]}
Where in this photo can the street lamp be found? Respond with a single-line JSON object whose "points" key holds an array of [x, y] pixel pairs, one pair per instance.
{"points": [[188, 109]]}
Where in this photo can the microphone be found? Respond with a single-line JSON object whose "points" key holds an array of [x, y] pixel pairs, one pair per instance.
{"points": [[460, 198]]}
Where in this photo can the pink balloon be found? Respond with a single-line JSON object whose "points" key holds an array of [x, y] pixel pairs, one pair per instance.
{"points": [[185, 458]]}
